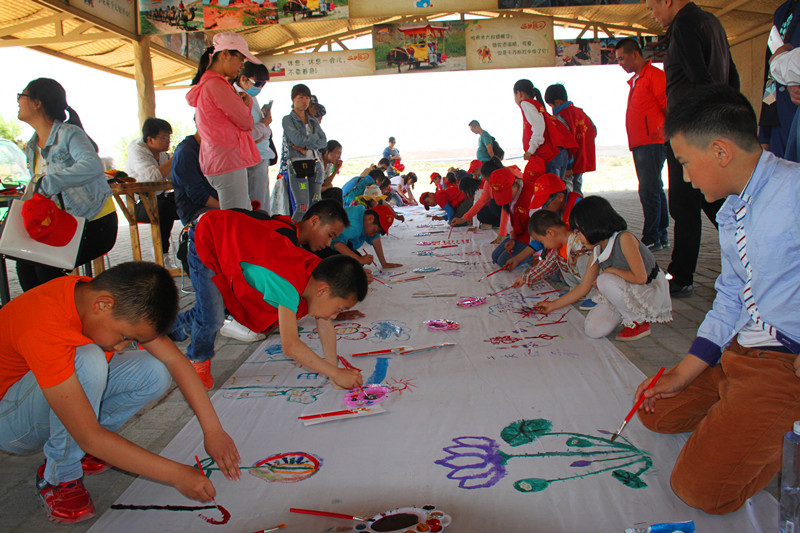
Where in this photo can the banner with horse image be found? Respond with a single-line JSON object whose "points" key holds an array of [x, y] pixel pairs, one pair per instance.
{"points": [[574, 52], [383, 8], [510, 43], [299, 10], [419, 47], [170, 16], [230, 14], [339, 64]]}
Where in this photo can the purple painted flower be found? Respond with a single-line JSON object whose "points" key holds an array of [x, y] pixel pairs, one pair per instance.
{"points": [[476, 462]]}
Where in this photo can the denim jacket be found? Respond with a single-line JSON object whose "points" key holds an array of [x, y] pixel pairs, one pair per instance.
{"points": [[73, 169], [294, 131]]}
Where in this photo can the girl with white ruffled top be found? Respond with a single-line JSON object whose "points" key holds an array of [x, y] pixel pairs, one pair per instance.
{"points": [[634, 290]]}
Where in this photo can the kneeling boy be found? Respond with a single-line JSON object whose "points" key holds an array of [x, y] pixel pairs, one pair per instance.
{"points": [[58, 368]]}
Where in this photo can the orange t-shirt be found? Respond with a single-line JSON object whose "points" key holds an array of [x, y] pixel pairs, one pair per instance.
{"points": [[39, 331]]}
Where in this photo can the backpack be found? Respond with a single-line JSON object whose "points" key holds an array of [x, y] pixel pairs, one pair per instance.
{"points": [[498, 152]]}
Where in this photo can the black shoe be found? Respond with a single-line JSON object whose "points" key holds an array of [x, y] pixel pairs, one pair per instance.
{"points": [[654, 247], [680, 291]]}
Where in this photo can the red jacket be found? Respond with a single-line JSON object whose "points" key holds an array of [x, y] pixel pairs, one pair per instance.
{"points": [[224, 239], [584, 131], [520, 214], [451, 195], [647, 102]]}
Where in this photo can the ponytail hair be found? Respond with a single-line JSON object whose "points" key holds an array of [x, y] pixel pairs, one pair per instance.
{"points": [[526, 87], [206, 59], [53, 98]]}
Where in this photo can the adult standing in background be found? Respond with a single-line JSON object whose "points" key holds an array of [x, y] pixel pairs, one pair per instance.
{"points": [[777, 108], [697, 54], [392, 154], [485, 139], [148, 160], [224, 120], [644, 122]]}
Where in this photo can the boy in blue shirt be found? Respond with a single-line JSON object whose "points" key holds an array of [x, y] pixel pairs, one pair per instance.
{"points": [[366, 226], [737, 388]]}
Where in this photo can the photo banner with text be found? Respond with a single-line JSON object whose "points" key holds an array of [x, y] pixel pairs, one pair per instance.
{"points": [[340, 64], [510, 43], [388, 8], [576, 52], [419, 47], [169, 16], [121, 13], [299, 10]]}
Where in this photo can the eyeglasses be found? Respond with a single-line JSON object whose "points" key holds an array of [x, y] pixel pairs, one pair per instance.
{"points": [[20, 95], [164, 137], [259, 84]]}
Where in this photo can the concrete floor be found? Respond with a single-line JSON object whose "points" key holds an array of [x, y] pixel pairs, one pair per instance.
{"points": [[157, 424]]}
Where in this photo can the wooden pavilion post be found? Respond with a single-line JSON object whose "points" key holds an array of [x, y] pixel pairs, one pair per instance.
{"points": [[146, 95]]}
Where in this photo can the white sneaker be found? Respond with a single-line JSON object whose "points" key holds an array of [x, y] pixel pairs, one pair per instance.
{"points": [[235, 330], [169, 263]]}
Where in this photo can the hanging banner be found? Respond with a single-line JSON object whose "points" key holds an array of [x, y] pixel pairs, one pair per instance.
{"points": [[189, 45], [228, 14], [519, 4], [339, 64], [120, 13], [510, 43], [574, 52], [420, 47], [384, 8], [299, 10], [170, 16]]}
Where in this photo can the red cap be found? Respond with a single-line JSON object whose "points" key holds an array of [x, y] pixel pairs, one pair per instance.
{"points": [[385, 216], [546, 186], [46, 223], [501, 181], [423, 197], [435, 175], [475, 165]]}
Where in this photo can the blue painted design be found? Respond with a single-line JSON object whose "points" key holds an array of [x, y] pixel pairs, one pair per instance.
{"points": [[381, 367], [384, 330], [274, 349]]}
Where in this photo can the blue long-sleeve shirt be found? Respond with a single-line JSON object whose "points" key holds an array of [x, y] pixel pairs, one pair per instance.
{"points": [[353, 235], [772, 228], [192, 189]]}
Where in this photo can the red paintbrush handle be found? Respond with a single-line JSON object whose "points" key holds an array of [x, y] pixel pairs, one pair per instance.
{"points": [[323, 513], [641, 398]]}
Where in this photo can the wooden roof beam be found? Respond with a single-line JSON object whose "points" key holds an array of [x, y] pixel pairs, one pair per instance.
{"points": [[32, 24]]}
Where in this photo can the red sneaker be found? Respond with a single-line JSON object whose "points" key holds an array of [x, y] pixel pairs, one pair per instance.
{"points": [[636, 332], [204, 371], [92, 465], [65, 503]]}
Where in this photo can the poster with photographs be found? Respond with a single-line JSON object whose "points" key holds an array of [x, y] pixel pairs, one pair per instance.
{"points": [[510, 43], [170, 16], [339, 64], [300, 10], [189, 45], [388, 8], [230, 14], [574, 52], [519, 4], [419, 47]]}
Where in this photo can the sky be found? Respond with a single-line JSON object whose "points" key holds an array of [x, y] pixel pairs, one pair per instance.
{"points": [[425, 111]]}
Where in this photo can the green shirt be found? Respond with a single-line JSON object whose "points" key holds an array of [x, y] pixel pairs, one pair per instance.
{"points": [[484, 140]]}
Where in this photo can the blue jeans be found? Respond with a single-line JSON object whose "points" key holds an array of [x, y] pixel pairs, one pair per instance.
{"points": [[558, 165], [500, 255], [575, 184], [116, 389], [202, 321], [649, 162]]}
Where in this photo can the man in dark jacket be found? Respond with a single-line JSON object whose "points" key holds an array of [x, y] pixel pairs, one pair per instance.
{"points": [[697, 54]]}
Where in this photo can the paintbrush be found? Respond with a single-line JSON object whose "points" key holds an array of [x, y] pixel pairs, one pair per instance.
{"points": [[493, 273], [199, 467], [379, 281], [409, 279], [380, 352], [637, 405], [445, 246], [330, 514], [365, 253], [451, 231], [502, 290], [347, 364], [279, 526], [431, 295], [429, 348]]}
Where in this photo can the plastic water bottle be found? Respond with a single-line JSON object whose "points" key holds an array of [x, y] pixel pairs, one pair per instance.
{"points": [[790, 482]]}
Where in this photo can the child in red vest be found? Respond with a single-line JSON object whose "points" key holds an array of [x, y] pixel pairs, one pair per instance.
{"points": [[582, 128]]}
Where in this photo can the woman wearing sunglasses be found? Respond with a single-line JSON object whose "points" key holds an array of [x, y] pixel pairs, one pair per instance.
{"points": [[250, 80]]}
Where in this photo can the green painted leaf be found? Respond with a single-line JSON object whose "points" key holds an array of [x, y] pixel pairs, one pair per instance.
{"points": [[579, 442], [532, 484], [525, 431], [629, 479]]}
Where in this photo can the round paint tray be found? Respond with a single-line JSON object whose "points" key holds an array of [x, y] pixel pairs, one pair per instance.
{"points": [[407, 520], [366, 396]]}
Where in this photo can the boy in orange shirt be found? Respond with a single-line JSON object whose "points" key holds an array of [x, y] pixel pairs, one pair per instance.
{"points": [[58, 368]]}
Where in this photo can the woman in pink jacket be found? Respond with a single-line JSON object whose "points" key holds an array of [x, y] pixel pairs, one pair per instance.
{"points": [[224, 120]]}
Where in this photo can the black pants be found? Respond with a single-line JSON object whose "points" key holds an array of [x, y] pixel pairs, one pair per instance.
{"points": [[685, 205], [167, 215], [98, 239], [490, 214]]}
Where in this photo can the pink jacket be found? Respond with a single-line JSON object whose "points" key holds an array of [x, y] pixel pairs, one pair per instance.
{"points": [[224, 123]]}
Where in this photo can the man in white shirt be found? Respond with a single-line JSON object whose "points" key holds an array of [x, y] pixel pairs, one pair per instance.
{"points": [[148, 161]]}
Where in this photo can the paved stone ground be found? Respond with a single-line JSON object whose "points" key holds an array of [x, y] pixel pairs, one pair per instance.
{"points": [[157, 424]]}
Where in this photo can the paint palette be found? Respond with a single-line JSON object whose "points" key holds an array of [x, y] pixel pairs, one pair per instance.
{"points": [[471, 301], [426, 269], [442, 324], [424, 243], [407, 520], [423, 234], [366, 396], [425, 252]]}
